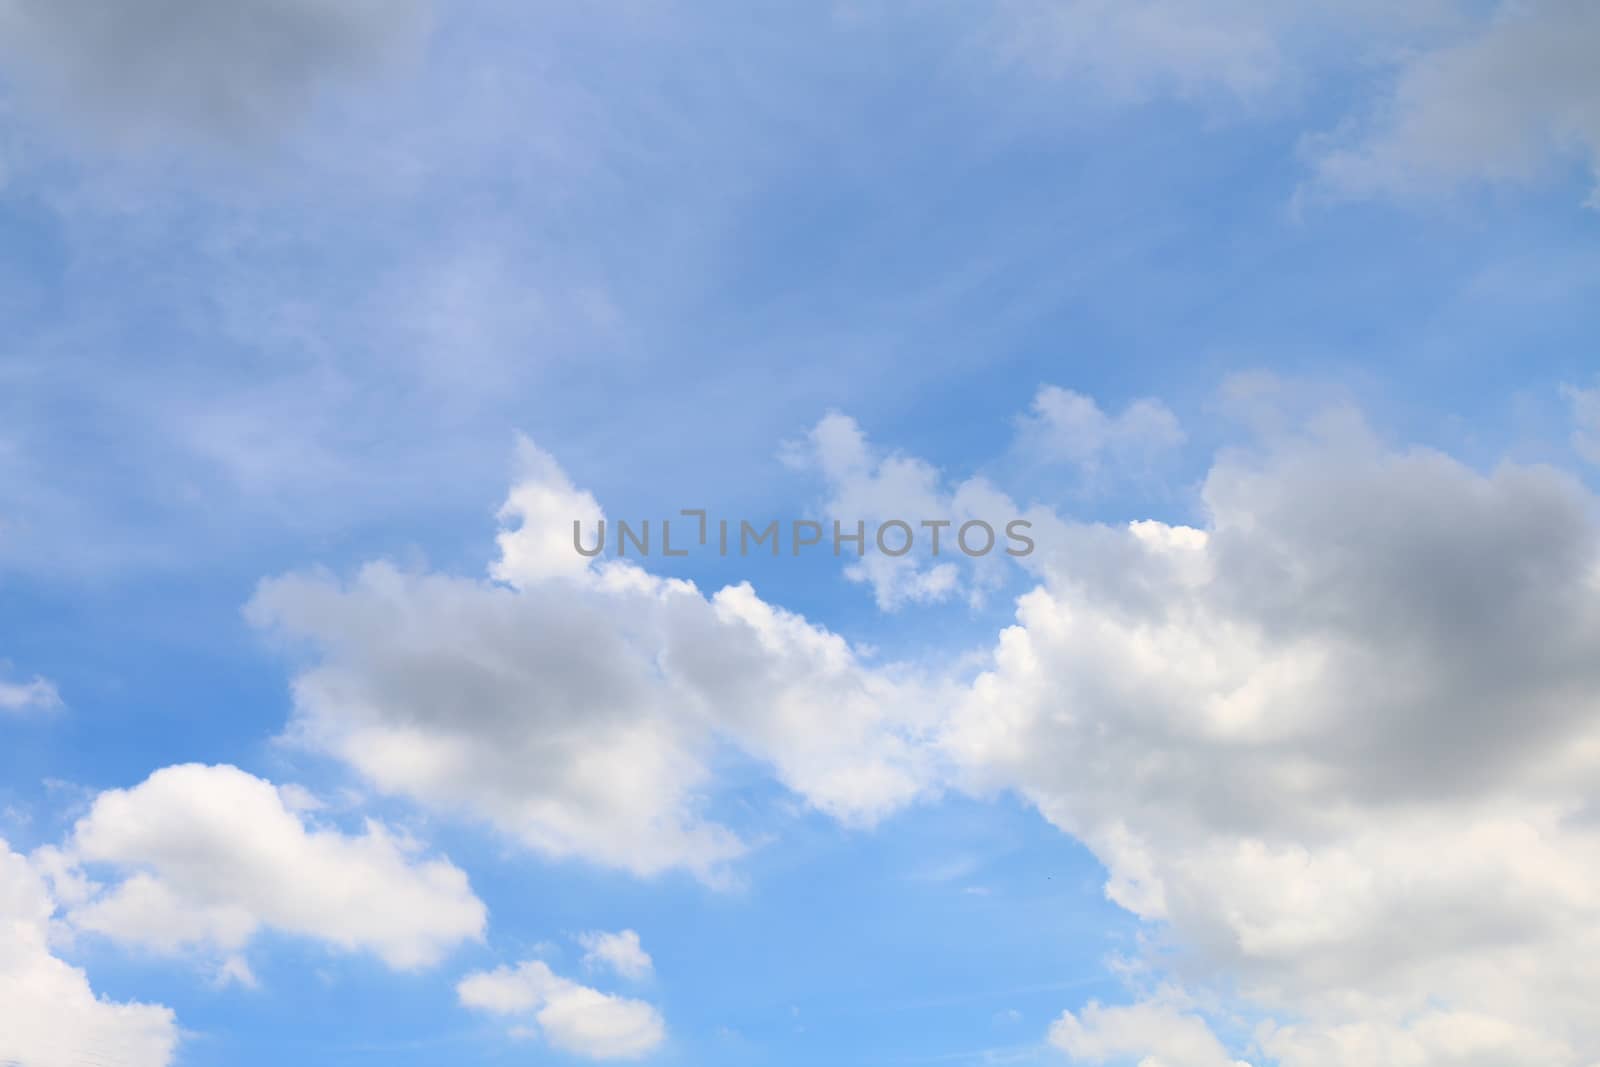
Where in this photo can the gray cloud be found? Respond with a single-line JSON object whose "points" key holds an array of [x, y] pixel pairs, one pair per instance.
{"points": [[1507, 101], [1338, 742], [576, 708], [143, 69]]}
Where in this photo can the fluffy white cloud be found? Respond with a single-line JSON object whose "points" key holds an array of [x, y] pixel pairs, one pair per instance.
{"points": [[1157, 1034], [576, 707], [36, 694], [49, 1015], [542, 518], [620, 952], [1336, 742], [1340, 743], [572, 1017], [205, 857], [136, 67]]}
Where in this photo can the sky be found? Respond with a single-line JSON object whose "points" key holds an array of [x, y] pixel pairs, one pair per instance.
{"points": [[1275, 324]]}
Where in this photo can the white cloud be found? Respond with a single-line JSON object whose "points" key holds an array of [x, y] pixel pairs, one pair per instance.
{"points": [[575, 707], [868, 484], [37, 694], [50, 1016], [572, 1017], [205, 857], [1336, 743], [1157, 1034], [1432, 1039], [1340, 743], [1069, 428], [620, 952], [138, 69], [538, 539]]}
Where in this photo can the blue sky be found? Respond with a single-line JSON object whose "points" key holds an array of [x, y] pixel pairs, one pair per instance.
{"points": [[316, 745]]}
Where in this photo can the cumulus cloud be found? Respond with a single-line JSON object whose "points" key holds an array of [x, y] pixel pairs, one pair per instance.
{"points": [[571, 1017], [575, 705], [51, 1017], [1339, 743], [139, 68], [36, 694], [620, 952], [206, 857], [1335, 742]]}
